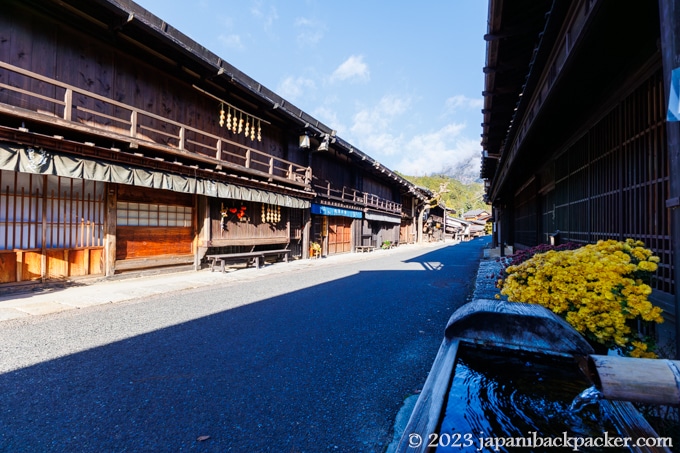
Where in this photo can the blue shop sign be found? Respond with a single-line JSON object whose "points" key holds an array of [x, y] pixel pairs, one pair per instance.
{"points": [[330, 210]]}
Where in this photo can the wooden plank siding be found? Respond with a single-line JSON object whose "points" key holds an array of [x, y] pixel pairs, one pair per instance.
{"points": [[337, 179], [153, 223], [610, 183], [339, 235], [144, 242], [250, 230], [81, 81]]}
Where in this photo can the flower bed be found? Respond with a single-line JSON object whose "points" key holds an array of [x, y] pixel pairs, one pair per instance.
{"points": [[600, 289]]}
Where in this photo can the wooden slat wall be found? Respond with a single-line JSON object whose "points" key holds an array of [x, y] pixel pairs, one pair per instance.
{"points": [[145, 239], [526, 216], [374, 187], [339, 235], [37, 43], [50, 227], [613, 182], [141, 242], [328, 169], [251, 232]]}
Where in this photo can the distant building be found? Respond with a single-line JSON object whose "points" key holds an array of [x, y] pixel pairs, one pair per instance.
{"points": [[477, 214]]}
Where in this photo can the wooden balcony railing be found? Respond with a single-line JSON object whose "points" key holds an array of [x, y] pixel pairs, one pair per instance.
{"points": [[49, 100], [357, 197]]}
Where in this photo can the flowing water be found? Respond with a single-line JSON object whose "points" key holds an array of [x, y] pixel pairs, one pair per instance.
{"points": [[589, 396], [495, 397]]}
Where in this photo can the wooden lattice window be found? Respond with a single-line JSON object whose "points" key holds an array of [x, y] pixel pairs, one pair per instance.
{"points": [[49, 211]]}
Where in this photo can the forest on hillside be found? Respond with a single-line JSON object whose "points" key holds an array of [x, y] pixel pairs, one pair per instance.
{"points": [[461, 197]]}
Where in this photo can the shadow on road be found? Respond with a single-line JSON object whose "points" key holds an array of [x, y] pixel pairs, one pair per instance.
{"points": [[325, 368]]}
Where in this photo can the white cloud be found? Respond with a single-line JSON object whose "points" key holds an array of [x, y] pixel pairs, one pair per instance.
{"points": [[458, 102], [374, 122], [439, 151], [353, 68], [372, 127], [329, 117], [309, 32], [293, 88]]}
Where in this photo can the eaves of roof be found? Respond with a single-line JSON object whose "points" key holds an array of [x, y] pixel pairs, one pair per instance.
{"points": [[128, 21]]}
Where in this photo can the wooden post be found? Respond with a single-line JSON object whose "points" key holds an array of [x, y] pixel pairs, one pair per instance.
{"points": [[670, 55], [649, 381], [218, 150], [306, 231], [68, 104], [133, 124], [43, 239], [110, 231]]}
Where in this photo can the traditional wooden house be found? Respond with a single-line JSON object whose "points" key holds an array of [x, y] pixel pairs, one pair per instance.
{"points": [[459, 229], [126, 145], [477, 214], [575, 133], [359, 202]]}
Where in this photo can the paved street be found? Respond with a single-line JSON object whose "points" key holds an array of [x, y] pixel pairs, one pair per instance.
{"points": [[311, 358]]}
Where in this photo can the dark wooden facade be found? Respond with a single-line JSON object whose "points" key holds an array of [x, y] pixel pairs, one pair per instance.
{"points": [[126, 145], [350, 181], [575, 135]]}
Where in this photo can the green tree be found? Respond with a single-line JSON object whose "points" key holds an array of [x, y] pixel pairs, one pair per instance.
{"points": [[461, 197]]}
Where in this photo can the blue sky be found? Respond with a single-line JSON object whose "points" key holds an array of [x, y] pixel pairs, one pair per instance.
{"points": [[401, 81]]}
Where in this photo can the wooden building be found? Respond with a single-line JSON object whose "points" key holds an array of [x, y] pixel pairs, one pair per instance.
{"points": [[575, 135], [359, 202], [126, 145]]}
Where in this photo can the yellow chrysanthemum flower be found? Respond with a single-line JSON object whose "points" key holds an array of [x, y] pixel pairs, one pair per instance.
{"points": [[597, 288]]}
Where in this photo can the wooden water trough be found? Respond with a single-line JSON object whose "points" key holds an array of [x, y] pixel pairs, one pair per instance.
{"points": [[521, 328]]}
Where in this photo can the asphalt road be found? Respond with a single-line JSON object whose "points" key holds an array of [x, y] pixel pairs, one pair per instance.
{"points": [[311, 360]]}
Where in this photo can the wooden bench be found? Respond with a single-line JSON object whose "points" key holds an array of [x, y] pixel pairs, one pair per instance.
{"points": [[284, 252], [224, 258], [256, 257], [364, 248]]}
